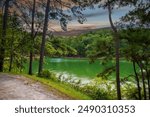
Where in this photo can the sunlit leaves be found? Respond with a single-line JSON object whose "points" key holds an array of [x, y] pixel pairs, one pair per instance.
{"points": [[57, 48]]}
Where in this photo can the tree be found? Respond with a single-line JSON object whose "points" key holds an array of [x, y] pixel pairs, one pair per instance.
{"points": [[102, 47], [110, 5], [55, 11], [3, 40], [117, 44], [44, 37], [136, 50], [14, 27], [137, 22], [141, 7], [32, 19], [14, 31], [32, 37]]}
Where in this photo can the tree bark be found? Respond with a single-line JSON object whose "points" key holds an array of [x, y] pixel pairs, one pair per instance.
{"points": [[44, 37], [148, 81], [32, 37], [148, 85], [143, 79], [11, 52], [116, 37], [137, 80], [3, 40]]}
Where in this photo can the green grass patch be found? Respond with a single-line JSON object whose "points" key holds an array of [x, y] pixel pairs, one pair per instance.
{"points": [[62, 87]]}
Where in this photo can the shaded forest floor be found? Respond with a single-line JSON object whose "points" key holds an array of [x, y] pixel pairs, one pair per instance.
{"points": [[17, 87]]}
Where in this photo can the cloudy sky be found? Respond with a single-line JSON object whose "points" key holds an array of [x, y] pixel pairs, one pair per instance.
{"points": [[96, 18]]}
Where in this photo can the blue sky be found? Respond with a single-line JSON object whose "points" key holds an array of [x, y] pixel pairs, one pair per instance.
{"points": [[96, 18], [99, 15]]}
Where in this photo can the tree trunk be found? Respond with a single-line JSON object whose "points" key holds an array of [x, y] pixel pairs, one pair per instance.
{"points": [[148, 81], [143, 80], [21, 60], [148, 85], [32, 38], [3, 40], [11, 62], [44, 37], [11, 52], [137, 80], [116, 37]]}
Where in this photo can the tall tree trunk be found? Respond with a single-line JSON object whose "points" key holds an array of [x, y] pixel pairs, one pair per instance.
{"points": [[11, 53], [44, 37], [143, 79], [21, 60], [137, 80], [32, 38], [148, 84], [11, 62], [148, 80], [3, 40], [116, 37]]}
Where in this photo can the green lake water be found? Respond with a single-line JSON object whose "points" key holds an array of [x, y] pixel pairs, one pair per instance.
{"points": [[80, 67]]}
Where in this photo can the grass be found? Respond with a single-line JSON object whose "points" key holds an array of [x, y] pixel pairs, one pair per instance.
{"points": [[60, 87]]}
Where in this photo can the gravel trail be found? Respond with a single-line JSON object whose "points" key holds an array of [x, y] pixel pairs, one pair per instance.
{"points": [[16, 87]]}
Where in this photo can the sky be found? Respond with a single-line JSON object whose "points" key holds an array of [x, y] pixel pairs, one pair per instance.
{"points": [[96, 18]]}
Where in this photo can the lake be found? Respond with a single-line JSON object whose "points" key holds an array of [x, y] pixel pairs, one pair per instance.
{"points": [[80, 67]]}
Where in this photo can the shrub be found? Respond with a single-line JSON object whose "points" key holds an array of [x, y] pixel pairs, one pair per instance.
{"points": [[48, 74], [129, 91], [100, 89], [98, 93]]}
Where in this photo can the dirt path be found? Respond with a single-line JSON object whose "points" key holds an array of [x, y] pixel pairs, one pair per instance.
{"points": [[15, 87]]}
